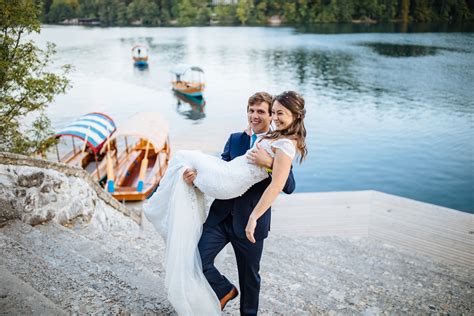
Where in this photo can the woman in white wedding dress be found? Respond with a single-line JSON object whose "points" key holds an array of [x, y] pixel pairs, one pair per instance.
{"points": [[178, 210]]}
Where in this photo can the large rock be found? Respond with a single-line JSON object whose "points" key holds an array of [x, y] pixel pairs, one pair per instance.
{"points": [[35, 195]]}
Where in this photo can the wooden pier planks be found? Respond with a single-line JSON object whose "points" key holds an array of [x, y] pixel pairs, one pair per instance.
{"points": [[427, 229]]}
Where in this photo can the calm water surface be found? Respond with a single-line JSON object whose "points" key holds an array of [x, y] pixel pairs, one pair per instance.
{"points": [[386, 111]]}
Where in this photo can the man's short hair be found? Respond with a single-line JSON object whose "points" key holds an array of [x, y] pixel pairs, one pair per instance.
{"points": [[260, 97]]}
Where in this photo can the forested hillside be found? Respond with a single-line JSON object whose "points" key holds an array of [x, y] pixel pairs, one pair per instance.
{"points": [[255, 12]]}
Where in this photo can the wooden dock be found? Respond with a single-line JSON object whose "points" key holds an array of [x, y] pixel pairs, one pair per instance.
{"points": [[439, 232]]}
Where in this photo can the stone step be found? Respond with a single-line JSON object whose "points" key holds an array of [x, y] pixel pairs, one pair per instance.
{"points": [[19, 298], [107, 273], [127, 263], [56, 284], [144, 246]]}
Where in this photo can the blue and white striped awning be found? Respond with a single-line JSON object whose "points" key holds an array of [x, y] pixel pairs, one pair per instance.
{"points": [[96, 127]]}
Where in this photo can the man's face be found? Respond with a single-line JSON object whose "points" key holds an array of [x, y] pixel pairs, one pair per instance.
{"points": [[259, 118]]}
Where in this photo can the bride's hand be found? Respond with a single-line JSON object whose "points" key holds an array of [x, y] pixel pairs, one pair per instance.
{"points": [[260, 157], [250, 229]]}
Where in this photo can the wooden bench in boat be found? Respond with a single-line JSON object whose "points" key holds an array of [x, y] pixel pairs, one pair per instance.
{"points": [[78, 159], [132, 158]]}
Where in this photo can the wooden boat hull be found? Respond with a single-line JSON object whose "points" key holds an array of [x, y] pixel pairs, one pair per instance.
{"points": [[127, 170], [188, 88], [140, 62]]}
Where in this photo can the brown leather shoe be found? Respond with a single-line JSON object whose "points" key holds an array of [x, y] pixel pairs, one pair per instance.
{"points": [[228, 297]]}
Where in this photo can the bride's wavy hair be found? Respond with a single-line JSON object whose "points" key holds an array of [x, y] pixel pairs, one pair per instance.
{"points": [[296, 131]]}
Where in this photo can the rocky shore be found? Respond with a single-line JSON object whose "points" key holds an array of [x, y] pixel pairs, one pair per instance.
{"points": [[106, 263]]}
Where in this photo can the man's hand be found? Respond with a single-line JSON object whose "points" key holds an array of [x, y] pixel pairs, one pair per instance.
{"points": [[260, 157], [250, 229], [189, 175]]}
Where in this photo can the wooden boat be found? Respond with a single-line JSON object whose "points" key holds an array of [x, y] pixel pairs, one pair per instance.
{"points": [[140, 56], [189, 80], [92, 130], [135, 169]]}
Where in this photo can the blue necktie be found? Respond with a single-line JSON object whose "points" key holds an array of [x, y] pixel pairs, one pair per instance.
{"points": [[253, 139]]}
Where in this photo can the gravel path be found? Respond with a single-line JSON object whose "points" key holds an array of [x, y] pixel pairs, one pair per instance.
{"points": [[84, 269], [347, 275]]}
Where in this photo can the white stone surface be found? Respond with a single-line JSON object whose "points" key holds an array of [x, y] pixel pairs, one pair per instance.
{"points": [[35, 195]]}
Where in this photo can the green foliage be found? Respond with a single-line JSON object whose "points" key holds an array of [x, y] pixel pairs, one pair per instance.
{"points": [[145, 11], [244, 10], [61, 10], [187, 12], [193, 12], [261, 13], [108, 11], [256, 12], [226, 14], [26, 86], [87, 9], [289, 16]]}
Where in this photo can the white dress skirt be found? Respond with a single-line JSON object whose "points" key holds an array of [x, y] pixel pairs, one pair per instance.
{"points": [[178, 210]]}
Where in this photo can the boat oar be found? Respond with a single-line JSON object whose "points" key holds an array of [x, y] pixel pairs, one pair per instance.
{"points": [[110, 170], [143, 168]]}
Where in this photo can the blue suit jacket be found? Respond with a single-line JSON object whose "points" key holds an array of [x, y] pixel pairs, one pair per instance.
{"points": [[241, 207]]}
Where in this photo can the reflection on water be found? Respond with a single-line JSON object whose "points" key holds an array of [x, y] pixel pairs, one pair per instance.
{"points": [[398, 125], [395, 50], [340, 28], [191, 108], [318, 68], [141, 67]]}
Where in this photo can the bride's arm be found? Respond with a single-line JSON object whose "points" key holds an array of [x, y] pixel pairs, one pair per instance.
{"points": [[260, 157], [281, 170]]}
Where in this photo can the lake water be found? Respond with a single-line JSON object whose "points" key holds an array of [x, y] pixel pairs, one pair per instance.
{"points": [[386, 111]]}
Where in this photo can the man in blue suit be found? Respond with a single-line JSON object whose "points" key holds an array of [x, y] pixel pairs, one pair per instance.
{"points": [[227, 219]]}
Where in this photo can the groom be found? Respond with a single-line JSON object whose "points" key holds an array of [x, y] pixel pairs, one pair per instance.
{"points": [[227, 219]]}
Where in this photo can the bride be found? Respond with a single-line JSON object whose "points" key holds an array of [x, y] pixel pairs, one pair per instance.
{"points": [[178, 210]]}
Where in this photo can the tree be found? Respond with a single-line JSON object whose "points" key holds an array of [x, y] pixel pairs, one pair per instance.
{"points": [[187, 12], [108, 11], [145, 11], [226, 14], [87, 9], [422, 11], [26, 86], [260, 13], [244, 10], [343, 9], [61, 10], [289, 13], [405, 10]]}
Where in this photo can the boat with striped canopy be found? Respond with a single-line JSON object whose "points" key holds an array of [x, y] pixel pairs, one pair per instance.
{"points": [[91, 131], [189, 80], [135, 169]]}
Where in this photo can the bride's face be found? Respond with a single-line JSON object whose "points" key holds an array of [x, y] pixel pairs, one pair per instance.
{"points": [[282, 117]]}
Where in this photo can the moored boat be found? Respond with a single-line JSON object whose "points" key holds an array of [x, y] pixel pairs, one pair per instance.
{"points": [[189, 80], [140, 56], [90, 131], [135, 169]]}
